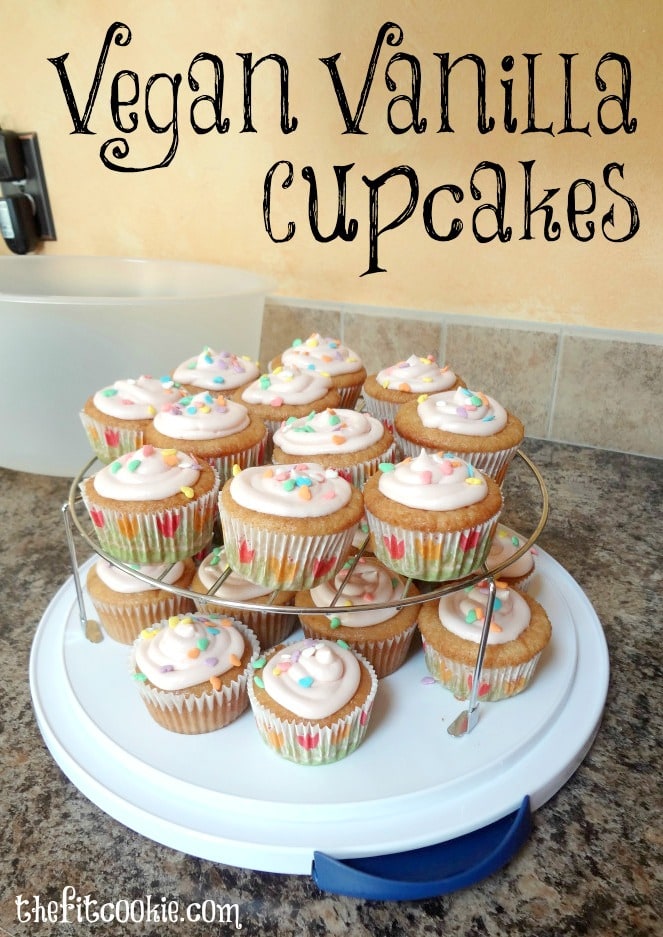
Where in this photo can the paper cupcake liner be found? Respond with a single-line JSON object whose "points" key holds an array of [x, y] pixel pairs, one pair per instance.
{"points": [[496, 683], [245, 458], [109, 442], [431, 557], [283, 560], [160, 537], [123, 623], [307, 743], [494, 464], [269, 627], [349, 395], [189, 714], [385, 656], [383, 410]]}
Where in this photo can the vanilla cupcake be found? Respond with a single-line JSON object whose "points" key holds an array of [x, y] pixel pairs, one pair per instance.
{"points": [[284, 394], [126, 603], [451, 630], [288, 526], [351, 442], [312, 700], [388, 389], [219, 372], [115, 418], [432, 517], [215, 578], [192, 671], [210, 428], [382, 635], [463, 422], [506, 543], [330, 357], [152, 505]]}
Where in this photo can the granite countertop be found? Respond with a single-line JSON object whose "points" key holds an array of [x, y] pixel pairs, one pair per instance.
{"points": [[592, 864]]}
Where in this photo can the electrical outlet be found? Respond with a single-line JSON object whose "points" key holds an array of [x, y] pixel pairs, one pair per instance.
{"points": [[34, 186]]}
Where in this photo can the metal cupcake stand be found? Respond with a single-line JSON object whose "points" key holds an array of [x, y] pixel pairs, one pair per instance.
{"points": [[409, 815]]}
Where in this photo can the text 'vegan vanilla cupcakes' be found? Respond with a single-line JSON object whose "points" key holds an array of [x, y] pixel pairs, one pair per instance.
{"points": [[152, 505], [328, 356], [288, 526], [432, 517], [312, 700], [192, 671], [466, 423], [451, 630]]}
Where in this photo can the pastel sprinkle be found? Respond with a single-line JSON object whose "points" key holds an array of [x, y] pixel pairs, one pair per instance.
{"points": [[473, 481], [216, 682], [133, 465], [235, 660], [211, 661], [304, 493], [140, 677], [259, 663], [187, 491], [193, 652], [335, 622], [236, 469], [346, 647], [386, 466], [202, 644], [305, 681], [212, 630]]}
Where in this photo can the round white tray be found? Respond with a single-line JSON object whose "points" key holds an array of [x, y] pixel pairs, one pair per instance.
{"points": [[226, 797]]}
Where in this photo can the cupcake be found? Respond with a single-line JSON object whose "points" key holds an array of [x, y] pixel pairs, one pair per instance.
{"points": [[388, 389], [464, 422], [219, 372], [126, 604], [330, 357], [288, 526], [210, 428], [506, 543], [451, 630], [152, 505], [432, 517], [381, 635], [214, 577], [192, 671], [351, 442], [115, 417], [312, 700]]}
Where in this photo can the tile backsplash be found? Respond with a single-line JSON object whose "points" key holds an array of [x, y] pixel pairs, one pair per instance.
{"points": [[590, 387]]}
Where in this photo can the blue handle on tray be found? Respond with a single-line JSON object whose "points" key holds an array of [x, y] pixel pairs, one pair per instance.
{"points": [[429, 870]]}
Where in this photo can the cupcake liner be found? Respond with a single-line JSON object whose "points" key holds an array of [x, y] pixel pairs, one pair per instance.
{"points": [[496, 683], [109, 442], [494, 464], [349, 395], [283, 560], [385, 656], [124, 623], [383, 410], [431, 556], [159, 537], [189, 714], [245, 458], [308, 743]]}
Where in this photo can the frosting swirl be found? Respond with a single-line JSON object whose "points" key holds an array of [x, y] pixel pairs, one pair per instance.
{"points": [[201, 416], [234, 588], [330, 431], [120, 581], [369, 583], [504, 544], [287, 385], [417, 375], [323, 354], [463, 411], [463, 613], [302, 490], [432, 482], [212, 370], [312, 679], [136, 399], [147, 474], [187, 650]]}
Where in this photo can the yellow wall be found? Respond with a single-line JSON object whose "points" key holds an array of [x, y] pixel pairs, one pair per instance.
{"points": [[208, 203]]}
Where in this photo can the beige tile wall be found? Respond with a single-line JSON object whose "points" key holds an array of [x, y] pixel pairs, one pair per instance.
{"points": [[590, 387]]}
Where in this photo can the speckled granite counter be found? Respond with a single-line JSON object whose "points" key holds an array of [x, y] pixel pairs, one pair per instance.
{"points": [[592, 864]]}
